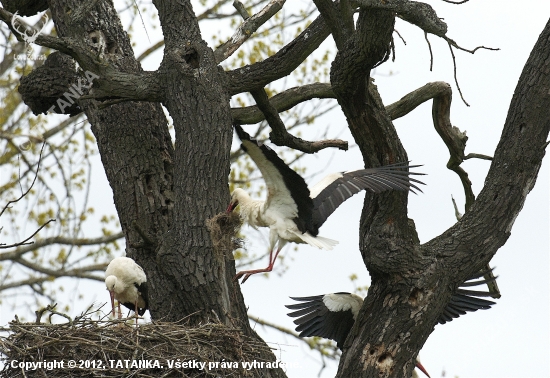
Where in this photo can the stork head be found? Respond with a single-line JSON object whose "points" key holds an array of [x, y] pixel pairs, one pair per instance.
{"points": [[237, 195], [111, 282]]}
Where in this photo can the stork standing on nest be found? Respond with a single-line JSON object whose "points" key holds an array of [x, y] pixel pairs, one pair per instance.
{"points": [[292, 211], [127, 283], [331, 316]]}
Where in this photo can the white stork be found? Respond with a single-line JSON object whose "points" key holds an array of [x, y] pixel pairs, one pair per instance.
{"points": [[127, 283], [331, 316], [292, 211]]}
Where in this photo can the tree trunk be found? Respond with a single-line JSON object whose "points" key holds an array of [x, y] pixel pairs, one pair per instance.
{"points": [[164, 194], [412, 283]]}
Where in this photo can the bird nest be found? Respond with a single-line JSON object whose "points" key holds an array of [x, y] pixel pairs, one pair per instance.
{"points": [[84, 347], [223, 229]]}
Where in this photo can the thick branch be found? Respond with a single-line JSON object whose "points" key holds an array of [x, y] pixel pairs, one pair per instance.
{"points": [[282, 101], [416, 13], [145, 86], [281, 64], [338, 23], [111, 83], [412, 100], [281, 137]]}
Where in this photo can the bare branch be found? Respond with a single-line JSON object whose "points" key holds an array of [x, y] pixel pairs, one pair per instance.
{"points": [[247, 28], [431, 53], [455, 45], [456, 79], [283, 101], [77, 272], [42, 279], [413, 99], [14, 255], [241, 9], [30, 187], [477, 156], [280, 136], [26, 241], [400, 36]]}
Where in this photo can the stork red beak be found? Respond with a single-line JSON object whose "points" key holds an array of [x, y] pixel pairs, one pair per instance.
{"points": [[421, 368], [231, 207], [112, 293]]}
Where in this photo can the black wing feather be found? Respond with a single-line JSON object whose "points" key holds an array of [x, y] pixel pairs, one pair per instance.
{"points": [[143, 291], [295, 183], [315, 319], [463, 301], [129, 306], [377, 180]]}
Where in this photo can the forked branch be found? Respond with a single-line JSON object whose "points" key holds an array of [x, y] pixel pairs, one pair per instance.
{"points": [[454, 139], [281, 137]]}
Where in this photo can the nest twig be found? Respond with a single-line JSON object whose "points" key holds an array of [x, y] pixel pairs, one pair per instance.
{"points": [[106, 347]]}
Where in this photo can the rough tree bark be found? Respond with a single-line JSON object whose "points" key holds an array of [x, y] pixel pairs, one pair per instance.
{"points": [[168, 237], [164, 194]]}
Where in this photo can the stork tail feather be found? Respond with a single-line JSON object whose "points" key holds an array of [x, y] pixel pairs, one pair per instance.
{"points": [[317, 241]]}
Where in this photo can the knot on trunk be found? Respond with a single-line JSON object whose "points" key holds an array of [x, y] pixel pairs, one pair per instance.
{"points": [[53, 86]]}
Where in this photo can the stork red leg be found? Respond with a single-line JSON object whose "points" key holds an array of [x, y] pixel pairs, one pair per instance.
{"points": [[248, 273]]}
